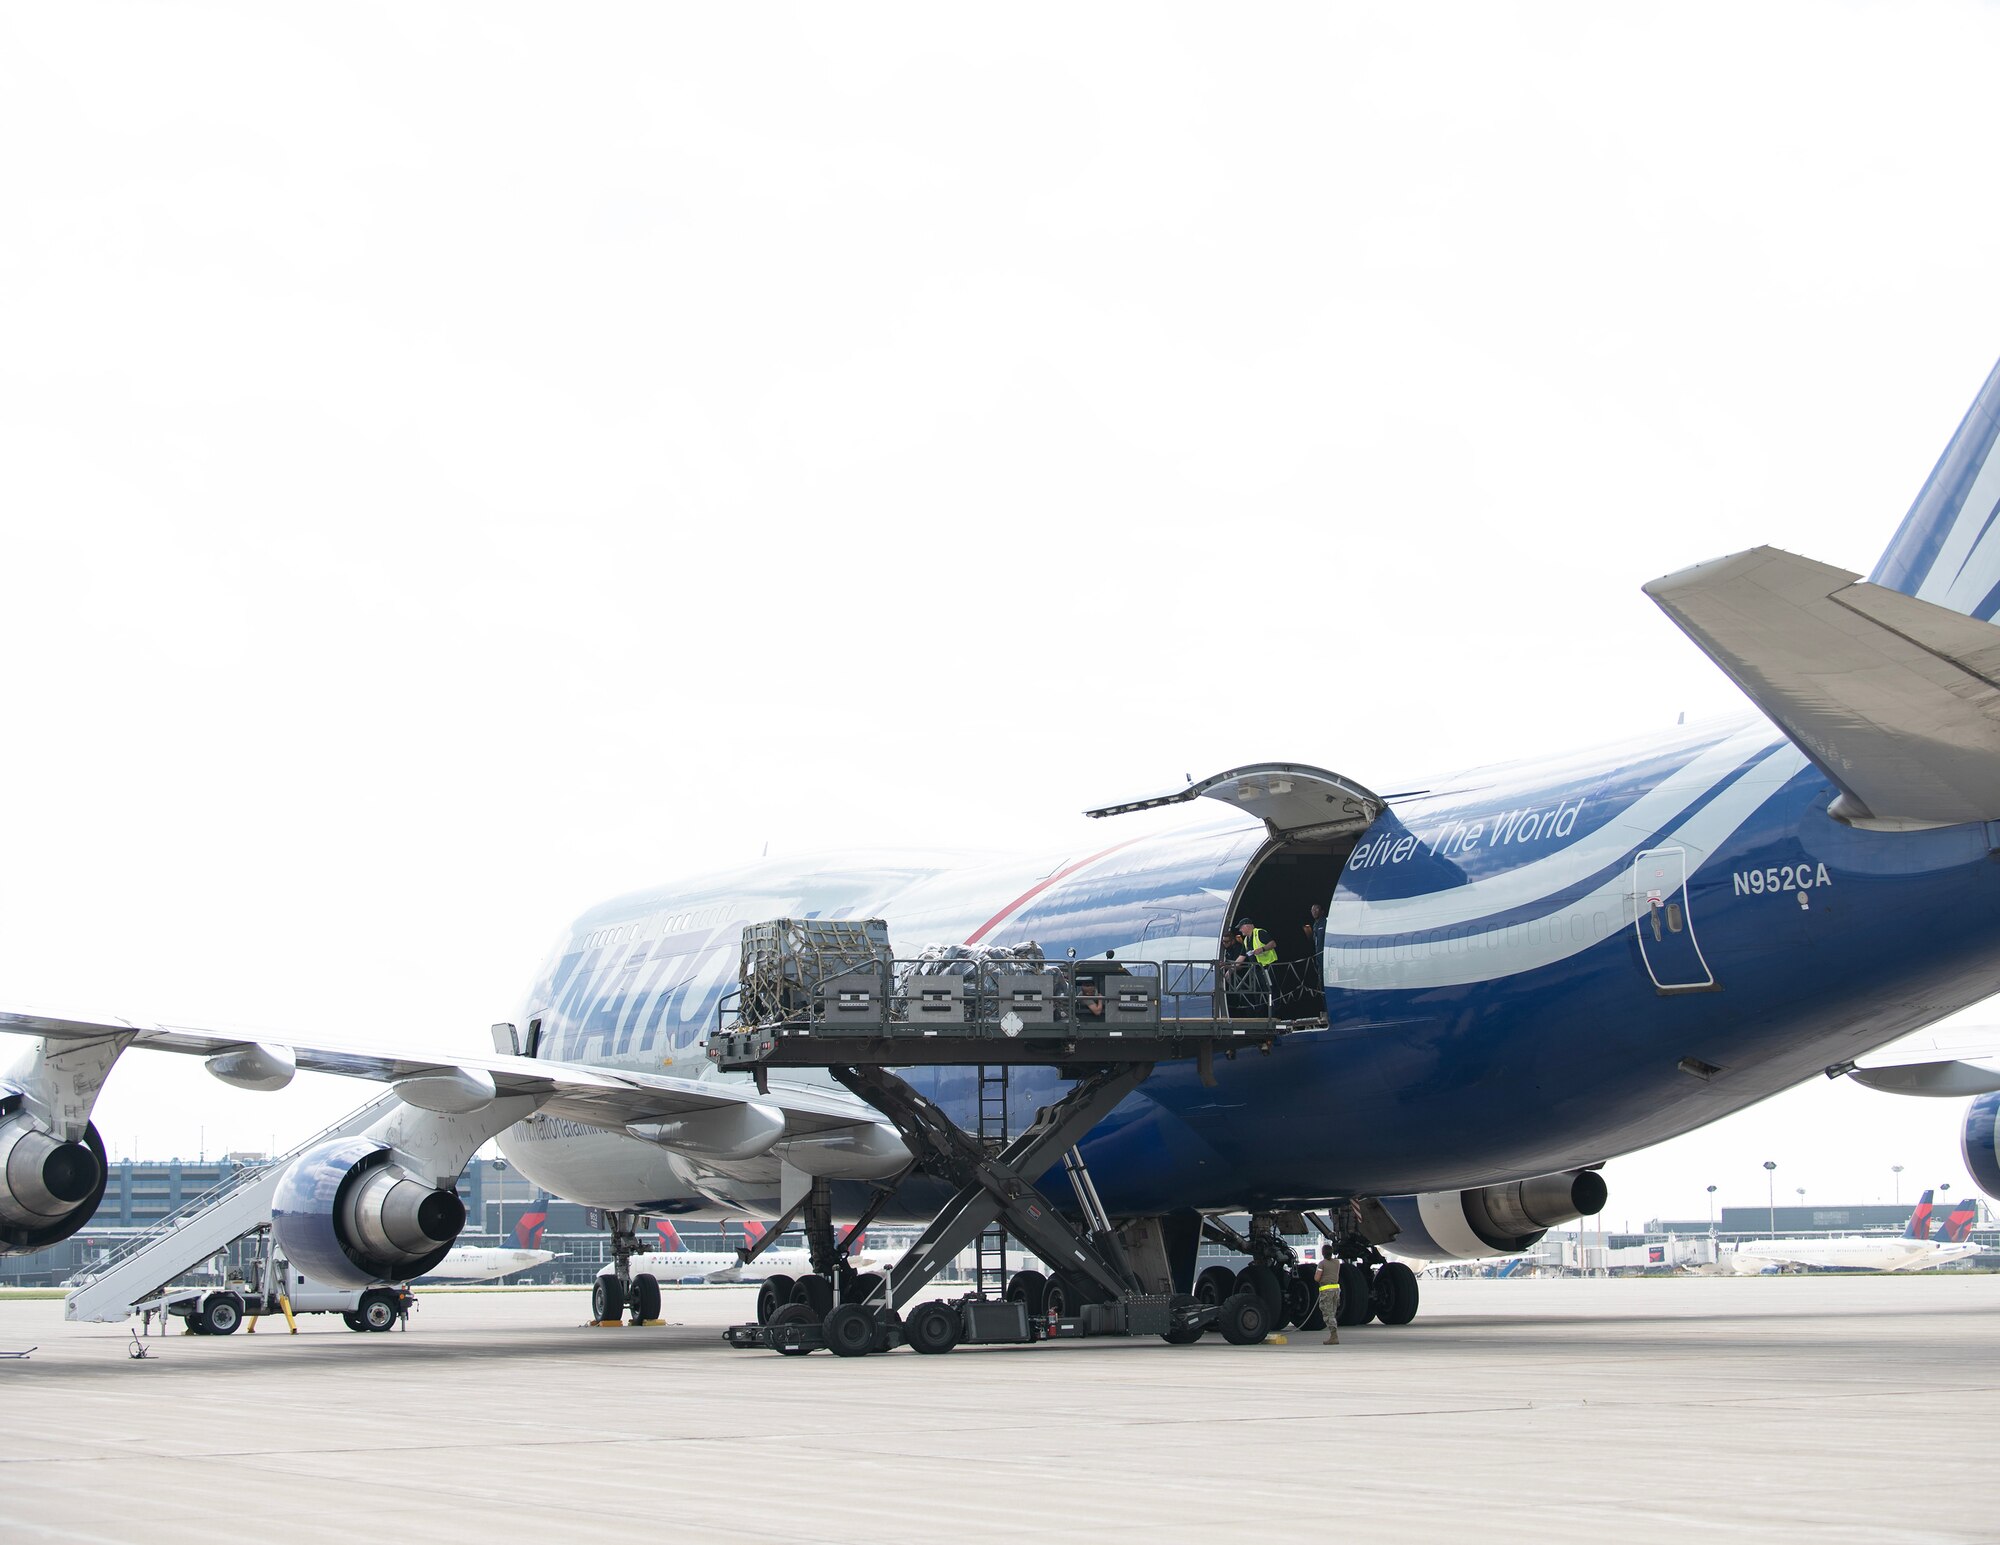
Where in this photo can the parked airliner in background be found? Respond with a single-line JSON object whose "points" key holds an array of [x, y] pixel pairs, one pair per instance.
{"points": [[678, 1263], [483, 1263], [1527, 970], [1914, 1251]]}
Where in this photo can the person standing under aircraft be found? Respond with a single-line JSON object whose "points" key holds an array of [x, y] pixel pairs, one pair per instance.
{"points": [[1329, 1293]]}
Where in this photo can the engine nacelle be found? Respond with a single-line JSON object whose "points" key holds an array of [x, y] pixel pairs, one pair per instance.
{"points": [[48, 1187], [1980, 1143], [346, 1214], [1492, 1220]]}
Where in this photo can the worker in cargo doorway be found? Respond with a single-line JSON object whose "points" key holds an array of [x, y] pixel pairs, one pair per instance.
{"points": [[1315, 930], [1259, 956]]}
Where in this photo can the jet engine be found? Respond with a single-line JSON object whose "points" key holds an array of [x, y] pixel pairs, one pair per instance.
{"points": [[48, 1187], [1981, 1143], [1492, 1220], [346, 1214]]}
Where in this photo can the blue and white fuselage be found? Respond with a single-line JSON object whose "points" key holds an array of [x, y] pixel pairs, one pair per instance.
{"points": [[1499, 1003], [1526, 969]]}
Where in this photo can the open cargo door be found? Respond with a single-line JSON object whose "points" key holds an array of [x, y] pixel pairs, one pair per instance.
{"points": [[1290, 798]]}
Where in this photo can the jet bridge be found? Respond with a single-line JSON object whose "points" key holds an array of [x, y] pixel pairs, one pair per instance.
{"points": [[829, 995]]}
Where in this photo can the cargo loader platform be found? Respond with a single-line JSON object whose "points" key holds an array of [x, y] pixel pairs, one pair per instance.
{"points": [[1101, 1022]]}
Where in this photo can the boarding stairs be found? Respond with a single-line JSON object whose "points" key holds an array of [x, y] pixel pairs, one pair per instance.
{"points": [[213, 1221]]}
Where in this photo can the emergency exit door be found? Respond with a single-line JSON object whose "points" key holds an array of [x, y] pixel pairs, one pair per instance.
{"points": [[1664, 923]]}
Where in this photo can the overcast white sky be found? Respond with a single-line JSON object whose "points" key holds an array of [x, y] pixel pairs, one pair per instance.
{"points": [[460, 462]]}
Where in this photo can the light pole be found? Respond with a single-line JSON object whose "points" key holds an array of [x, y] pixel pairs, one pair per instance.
{"points": [[1897, 1171], [1771, 1193], [1711, 1209]]}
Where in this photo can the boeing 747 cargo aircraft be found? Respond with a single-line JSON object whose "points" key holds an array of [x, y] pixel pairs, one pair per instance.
{"points": [[1527, 970]]}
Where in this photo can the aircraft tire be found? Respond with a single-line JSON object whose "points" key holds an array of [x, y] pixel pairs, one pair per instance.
{"points": [[1357, 1300], [1060, 1299], [1314, 1318], [868, 1287], [1300, 1291], [1030, 1288], [1395, 1291], [1246, 1319], [933, 1329], [607, 1298], [816, 1293], [773, 1293], [645, 1297], [1214, 1285], [794, 1313], [222, 1314], [1263, 1281], [850, 1331], [378, 1310]]}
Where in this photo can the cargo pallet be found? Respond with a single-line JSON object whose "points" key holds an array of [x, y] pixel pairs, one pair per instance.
{"points": [[1100, 1022]]}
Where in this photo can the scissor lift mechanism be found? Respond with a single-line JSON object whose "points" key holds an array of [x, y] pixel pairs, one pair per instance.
{"points": [[1104, 1030]]}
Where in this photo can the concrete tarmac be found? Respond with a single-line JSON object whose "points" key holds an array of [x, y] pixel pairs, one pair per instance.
{"points": [[1821, 1408]]}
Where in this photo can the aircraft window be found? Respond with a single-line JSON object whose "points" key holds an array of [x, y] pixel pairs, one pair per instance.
{"points": [[1674, 916]]}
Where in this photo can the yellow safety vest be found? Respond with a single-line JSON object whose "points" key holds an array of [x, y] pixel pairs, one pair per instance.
{"points": [[1261, 950]]}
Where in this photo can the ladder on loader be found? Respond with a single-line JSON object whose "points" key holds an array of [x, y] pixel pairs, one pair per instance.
{"points": [[144, 1265]]}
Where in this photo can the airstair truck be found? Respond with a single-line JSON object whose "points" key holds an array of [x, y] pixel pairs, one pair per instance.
{"points": [[270, 1284]]}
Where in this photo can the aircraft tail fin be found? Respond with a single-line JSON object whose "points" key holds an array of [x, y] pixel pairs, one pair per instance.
{"points": [[1897, 700], [1957, 1225], [670, 1239], [1920, 1220], [1947, 550], [529, 1226]]}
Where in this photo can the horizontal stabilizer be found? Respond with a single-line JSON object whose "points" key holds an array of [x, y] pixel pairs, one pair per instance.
{"points": [[1934, 1080], [1895, 699]]}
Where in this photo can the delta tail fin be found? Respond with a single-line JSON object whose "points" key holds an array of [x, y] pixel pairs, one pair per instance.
{"points": [[1920, 1220]]}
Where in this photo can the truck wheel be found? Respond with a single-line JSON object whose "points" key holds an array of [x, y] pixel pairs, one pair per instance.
{"points": [[607, 1298], [645, 1297], [352, 1320], [850, 1331], [933, 1329], [1246, 1320], [221, 1314], [1183, 1335], [793, 1314], [772, 1295], [378, 1310]]}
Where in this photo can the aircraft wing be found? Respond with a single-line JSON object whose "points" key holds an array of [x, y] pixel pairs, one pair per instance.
{"points": [[1897, 700], [601, 1097]]}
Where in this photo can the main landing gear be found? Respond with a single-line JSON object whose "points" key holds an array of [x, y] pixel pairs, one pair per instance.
{"points": [[1371, 1286]]}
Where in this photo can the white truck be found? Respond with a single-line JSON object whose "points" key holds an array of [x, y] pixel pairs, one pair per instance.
{"points": [[257, 1290]]}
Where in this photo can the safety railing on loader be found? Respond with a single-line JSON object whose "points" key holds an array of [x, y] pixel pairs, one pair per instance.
{"points": [[825, 983]]}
